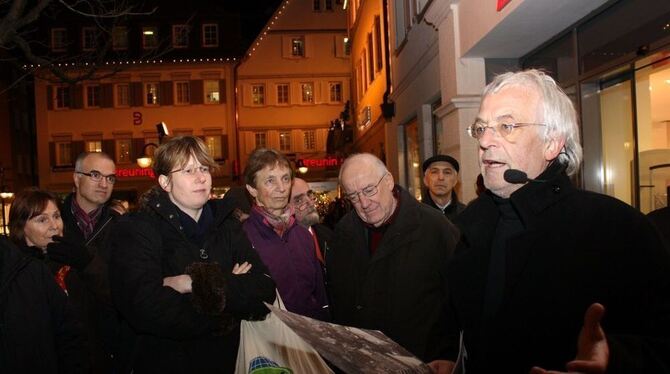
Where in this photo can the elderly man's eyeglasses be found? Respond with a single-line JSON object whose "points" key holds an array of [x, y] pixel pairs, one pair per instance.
{"points": [[192, 170], [97, 176], [368, 191], [477, 129], [301, 201]]}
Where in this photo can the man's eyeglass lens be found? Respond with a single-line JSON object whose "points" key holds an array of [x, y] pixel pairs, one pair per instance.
{"points": [[97, 176]]}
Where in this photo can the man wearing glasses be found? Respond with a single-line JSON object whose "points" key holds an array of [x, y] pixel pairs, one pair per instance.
{"points": [[87, 219], [546, 276], [304, 205], [387, 267]]}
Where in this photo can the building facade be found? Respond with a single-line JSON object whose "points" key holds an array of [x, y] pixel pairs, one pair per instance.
{"points": [[293, 82], [372, 108], [614, 73], [169, 67]]}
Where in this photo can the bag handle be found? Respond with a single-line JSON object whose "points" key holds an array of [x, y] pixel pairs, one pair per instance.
{"points": [[279, 303]]}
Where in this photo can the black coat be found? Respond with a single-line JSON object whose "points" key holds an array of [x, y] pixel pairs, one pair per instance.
{"points": [[401, 289], [451, 211], [163, 330], [102, 321], [576, 248], [39, 330], [324, 236]]}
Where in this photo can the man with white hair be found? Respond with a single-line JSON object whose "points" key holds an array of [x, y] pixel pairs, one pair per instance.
{"points": [[387, 268], [547, 276]]}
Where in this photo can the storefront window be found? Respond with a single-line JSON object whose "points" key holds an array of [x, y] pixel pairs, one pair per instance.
{"points": [[652, 96]]}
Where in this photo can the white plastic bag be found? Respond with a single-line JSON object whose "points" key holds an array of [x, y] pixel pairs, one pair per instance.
{"points": [[271, 344]]}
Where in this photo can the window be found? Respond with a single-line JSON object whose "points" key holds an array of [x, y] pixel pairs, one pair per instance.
{"points": [[298, 47], [329, 4], [310, 140], [123, 151], [378, 43], [214, 146], [371, 60], [179, 36], [64, 153], [210, 35], [88, 38], [182, 93], [93, 146], [316, 4], [62, 97], [120, 38], [285, 141], [347, 46], [307, 90], [149, 37], [335, 89], [211, 91], [92, 96], [260, 139], [122, 95], [58, 40], [151, 93], [258, 94], [282, 93]]}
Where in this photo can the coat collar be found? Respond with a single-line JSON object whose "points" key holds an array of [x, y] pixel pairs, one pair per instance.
{"points": [[478, 222]]}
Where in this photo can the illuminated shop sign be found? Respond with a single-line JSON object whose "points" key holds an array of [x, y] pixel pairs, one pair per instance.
{"points": [[135, 172], [322, 162]]}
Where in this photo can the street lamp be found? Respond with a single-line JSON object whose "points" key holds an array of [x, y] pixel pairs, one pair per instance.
{"points": [[4, 195], [300, 165], [146, 161]]}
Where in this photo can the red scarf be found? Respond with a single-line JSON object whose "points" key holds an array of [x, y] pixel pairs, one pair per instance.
{"points": [[279, 223]]}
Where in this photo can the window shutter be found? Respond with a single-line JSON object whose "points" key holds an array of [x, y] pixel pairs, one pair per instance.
{"points": [[197, 91], [165, 93], [50, 98], [77, 149], [224, 147], [52, 154], [286, 46], [136, 94], [107, 95], [138, 144], [109, 147], [76, 96], [222, 91]]}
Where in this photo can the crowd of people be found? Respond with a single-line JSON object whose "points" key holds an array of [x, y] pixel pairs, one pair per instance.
{"points": [[534, 275]]}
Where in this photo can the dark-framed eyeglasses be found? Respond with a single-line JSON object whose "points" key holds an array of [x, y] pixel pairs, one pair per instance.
{"points": [[368, 191], [192, 170], [301, 201], [97, 176], [505, 129]]}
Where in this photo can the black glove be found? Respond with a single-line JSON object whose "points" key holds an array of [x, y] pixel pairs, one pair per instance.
{"points": [[69, 253]]}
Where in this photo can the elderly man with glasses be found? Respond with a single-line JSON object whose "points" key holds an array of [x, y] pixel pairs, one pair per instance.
{"points": [[387, 267], [87, 219], [547, 276]]}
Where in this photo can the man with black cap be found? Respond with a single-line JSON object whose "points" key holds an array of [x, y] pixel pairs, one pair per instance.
{"points": [[440, 175]]}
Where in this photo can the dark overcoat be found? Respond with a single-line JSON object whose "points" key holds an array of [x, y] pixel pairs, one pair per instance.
{"points": [[401, 289], [163, 331], [577, 248]]}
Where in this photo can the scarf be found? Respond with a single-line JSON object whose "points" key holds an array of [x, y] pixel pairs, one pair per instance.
{"points": [[85, 221], [279, 223]]}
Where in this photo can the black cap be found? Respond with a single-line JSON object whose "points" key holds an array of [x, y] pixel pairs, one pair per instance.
{"points": [[436, 158]]}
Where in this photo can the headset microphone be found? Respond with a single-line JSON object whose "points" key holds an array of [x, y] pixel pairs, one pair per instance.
{"points": [[515, 176]]}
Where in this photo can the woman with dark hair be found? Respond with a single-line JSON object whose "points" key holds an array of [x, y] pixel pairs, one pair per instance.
{"points": [[182, 271], [39, 330]]}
